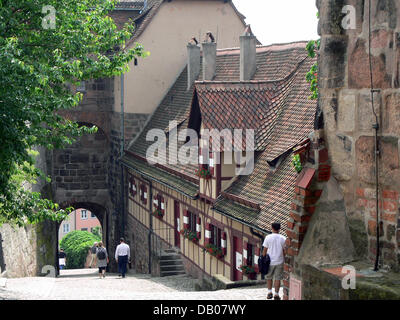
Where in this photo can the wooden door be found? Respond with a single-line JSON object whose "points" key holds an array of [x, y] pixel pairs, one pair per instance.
{"points": [[177, 224], [237, 255]]}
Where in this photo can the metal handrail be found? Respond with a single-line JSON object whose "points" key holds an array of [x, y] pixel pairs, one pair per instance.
{"points": [[159, 242]]}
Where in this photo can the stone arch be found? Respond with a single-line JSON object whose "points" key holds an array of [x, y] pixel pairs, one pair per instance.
{"points": [[101, 212]]}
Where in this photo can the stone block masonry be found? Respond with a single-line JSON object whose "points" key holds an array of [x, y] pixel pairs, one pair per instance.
{"points": [[345, 99]]}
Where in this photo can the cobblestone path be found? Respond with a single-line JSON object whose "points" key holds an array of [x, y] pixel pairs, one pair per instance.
{"points": [[84, 284]]}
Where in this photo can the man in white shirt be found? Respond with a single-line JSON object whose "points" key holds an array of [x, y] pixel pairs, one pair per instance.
{"points": [[122, 255], [274, 246]]}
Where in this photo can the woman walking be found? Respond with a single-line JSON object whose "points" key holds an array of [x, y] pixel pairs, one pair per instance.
{"points": [[102, 260]]}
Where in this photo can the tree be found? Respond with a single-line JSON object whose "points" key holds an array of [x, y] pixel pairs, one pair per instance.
{"points": [[47, 47], [76, 245], [97, 232]]}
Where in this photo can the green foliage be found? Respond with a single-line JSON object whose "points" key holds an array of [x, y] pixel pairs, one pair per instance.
{"points": [[214, 250], [297, 163], [191, 235], [76, 245], [247, 269], [39, 69], [97, 232], [312, 48], [203, 173], [158, 213]]}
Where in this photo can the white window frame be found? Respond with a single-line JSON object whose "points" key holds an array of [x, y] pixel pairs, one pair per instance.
{"points": [[66, 226], [84, 211]]}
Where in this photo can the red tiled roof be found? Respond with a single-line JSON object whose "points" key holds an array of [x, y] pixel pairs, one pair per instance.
{"points": [[240, 105], [275, 103]]}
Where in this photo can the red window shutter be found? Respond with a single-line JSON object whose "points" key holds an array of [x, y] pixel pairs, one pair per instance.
{"points": [[198, 227], [223, 243], [145, 195], [257, 253], [162, 204], [212, 164], [155, 202], [133, 188], [245, 253], [185, 219], [207, 233]]}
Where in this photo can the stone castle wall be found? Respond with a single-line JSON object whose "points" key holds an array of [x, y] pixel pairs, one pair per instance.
{"points": [[345, 99]]}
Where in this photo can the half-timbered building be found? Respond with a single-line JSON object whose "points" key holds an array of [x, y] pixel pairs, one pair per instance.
{"points": [[213, 212]]}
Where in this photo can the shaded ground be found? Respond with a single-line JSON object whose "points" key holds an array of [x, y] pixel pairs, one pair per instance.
{"points": [[84, 284]]}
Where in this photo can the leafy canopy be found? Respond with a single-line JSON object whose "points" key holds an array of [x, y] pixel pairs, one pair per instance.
{"points": [[76, 245], [47, 47]]}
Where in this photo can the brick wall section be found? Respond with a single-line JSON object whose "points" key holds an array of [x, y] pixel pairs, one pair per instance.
{"points": [[388, 229], [307, 192]]}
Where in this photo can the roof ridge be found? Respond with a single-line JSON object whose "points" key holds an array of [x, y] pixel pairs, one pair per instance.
{"points": [[280, 47]]}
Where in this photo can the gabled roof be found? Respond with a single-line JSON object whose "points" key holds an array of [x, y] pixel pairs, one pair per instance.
{"points": [[275, 103], [148, 11], [241, 105]]}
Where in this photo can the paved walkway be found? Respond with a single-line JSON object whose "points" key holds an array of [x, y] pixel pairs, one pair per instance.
{"points": [[84, 284]]}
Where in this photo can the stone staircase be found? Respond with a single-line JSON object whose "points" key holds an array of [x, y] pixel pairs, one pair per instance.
{"points": [[171, 263]]}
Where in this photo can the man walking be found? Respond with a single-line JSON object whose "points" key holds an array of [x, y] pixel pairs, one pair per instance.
{"points": [[274, 246], [122, 255]]}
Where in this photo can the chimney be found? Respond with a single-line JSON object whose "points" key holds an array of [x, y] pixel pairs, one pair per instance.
{"points": [[248, 44], [193, 62], [209, 57]]}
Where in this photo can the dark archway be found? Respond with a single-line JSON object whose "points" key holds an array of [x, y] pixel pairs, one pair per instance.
{"points": [[101, 213]]}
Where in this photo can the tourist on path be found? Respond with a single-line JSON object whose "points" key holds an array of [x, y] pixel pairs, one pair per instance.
{"points": [[62, 259], [274, 246], [122, 256], [93, 251], [102, 260]]}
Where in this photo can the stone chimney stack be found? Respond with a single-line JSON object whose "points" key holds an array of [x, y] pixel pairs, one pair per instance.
{"points": [[209, 57], [193, 61], [248, 65]]}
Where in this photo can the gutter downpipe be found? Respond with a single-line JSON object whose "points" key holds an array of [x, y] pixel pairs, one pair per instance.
{"points": [[375, 126], [150, 219], [122, 148]]}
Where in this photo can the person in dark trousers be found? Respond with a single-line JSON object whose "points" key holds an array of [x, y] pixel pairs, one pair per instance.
{"points": [[62, 259], [274, 245], [122, 256]]}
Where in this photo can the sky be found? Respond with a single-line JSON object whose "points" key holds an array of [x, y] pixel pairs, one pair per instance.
{"points": [[280, 21]]}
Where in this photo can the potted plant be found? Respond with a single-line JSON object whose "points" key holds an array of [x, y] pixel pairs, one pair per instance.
{"points": [[203, 173], [249, 271], [191, 235], [158, 213], [214, 250]]}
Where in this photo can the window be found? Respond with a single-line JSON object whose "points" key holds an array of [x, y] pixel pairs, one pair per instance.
{"points": [[84, 229], [65, 227], [216, 236], [93, 215], [192, 221], [84, 214], [132, 187], [143, 194], [250, 254]]}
